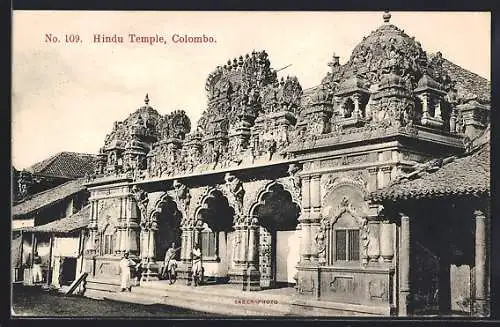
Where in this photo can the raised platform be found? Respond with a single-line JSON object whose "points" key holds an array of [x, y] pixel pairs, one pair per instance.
{"points": [[227, 299]]}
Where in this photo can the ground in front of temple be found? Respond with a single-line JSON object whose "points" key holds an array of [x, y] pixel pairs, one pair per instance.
{"points": [[33, 301]]}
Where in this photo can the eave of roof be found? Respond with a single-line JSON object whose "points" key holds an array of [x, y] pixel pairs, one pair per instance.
{"points": [[48, 197], [76, 221], [458, 177]]}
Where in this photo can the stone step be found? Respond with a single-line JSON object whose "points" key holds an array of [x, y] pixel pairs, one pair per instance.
{"points": [[102, 285], [238, 303], [202, 306]]}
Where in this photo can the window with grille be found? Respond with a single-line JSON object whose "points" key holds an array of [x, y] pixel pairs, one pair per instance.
{"points": [[347, 245], [208, 244]]}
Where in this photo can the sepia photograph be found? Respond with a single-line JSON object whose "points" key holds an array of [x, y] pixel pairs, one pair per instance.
{"points": [[188, 164]]}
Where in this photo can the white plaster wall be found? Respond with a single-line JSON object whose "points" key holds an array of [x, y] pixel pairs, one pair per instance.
{"points": [[287, 255], [460, 287], [66, 246]]}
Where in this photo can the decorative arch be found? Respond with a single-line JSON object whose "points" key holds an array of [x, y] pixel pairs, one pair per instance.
{"points": [[202, 202], [332, 182], [165, 217], [260, 196], [271, 188]]}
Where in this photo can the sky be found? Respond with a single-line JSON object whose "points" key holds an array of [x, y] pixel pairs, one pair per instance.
{"points": [[66, 96]]}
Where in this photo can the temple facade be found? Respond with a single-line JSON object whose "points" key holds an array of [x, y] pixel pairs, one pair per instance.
{"points": [[273, 181]]}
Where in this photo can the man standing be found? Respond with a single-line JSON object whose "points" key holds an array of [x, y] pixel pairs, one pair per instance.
{"points": [[37, 268], [170, 264], [125, 265], [197, 266]]}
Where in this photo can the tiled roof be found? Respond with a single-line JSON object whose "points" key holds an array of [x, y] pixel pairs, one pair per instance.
{"points": [[74, 222], [65, 164], [468, 175], [468, 84], [48, 197]]}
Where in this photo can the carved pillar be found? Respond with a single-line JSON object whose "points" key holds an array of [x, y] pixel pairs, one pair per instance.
{"points": [[453, 121], [386, 241], [304, 218], [481, 265], [386, 175], [131, 227], [90, 247], [253, 273], [315, 193], [425, 105], [144, 247], [356, 113], [437, 109], [243, 245], [188, 231], [404, 266], [372, 179], [373, 251]]}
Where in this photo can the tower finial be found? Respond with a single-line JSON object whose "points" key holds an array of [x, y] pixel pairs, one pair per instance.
{"points": [[146, 99], [387, 16]]}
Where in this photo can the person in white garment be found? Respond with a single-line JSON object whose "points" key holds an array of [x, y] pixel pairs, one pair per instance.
{"points": [[197, 269], [125, 265], [37, 268], [170, 264]]}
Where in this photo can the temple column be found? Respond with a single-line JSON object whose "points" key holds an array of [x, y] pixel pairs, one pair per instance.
{"points": [[372, 180], [425, 105], [90, 246], [481, 265], [453, 122], [356, 112], [386, 175], [253, 273], [144, 239], [386, 241], [373, 250], [304, 221], [404, 266], [188, 251], [131, 226], [315, 192]]}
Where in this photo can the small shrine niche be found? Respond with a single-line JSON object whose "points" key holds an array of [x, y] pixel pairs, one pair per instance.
{"points": [[431, 96], [351, 101]]}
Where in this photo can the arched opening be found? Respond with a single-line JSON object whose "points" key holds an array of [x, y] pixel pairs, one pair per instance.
{"points": [[277, 214], [217, 217], [348, 108], [169, 219], [342, 227]]}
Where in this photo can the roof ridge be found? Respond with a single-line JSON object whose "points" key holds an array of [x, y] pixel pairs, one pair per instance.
{"points": [[427, 167], [44, 163]]}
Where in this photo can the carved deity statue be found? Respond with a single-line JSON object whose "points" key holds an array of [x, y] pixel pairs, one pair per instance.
{"points": [[141, 197], [235, 188]]}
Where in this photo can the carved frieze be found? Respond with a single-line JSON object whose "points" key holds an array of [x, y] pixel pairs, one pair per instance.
{"points": [[329, 182]]}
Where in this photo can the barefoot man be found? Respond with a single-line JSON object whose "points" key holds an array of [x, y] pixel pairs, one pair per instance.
{"points": [[125, 275]]}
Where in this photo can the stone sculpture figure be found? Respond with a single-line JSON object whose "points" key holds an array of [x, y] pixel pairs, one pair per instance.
{"points": [[141, 197]]}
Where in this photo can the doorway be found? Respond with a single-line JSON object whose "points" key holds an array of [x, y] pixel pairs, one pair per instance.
{"points": [[68, 271], [278, 243]]}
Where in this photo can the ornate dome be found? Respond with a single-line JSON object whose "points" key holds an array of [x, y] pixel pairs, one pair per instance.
{"points": [[388, 48]]}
